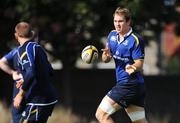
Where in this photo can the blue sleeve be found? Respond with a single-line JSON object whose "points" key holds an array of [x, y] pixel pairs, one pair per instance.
{"points": [[138, 49], [28, 66], [45, 64], [9, 56]]}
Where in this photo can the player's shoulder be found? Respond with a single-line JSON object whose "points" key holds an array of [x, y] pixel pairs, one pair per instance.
{"points": [[11, 53], [32, 44], [136, 38], [135, 34], [112, 35], [14, 50], [113, 32], [31, 47]]}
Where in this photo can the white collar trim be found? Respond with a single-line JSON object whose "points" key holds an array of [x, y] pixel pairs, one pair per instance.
{"points": [[127, 34]]}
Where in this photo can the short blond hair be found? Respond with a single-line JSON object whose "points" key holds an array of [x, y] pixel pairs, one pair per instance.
{"points": [[23, 29], [123, 11]]}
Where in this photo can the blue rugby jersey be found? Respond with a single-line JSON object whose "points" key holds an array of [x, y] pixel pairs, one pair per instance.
{"points": [[36, 71], [11, 57], [126, 51]]}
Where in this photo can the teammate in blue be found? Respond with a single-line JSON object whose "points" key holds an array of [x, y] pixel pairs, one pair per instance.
{"points": [[37, 90], [9, 65], [127, 50]]}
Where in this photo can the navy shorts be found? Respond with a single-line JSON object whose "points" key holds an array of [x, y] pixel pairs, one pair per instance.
{"points": [[37, 113], [129, 93]]}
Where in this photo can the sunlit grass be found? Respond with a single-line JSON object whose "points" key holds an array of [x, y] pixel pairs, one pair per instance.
{"points": [[157, 119], [59, 115], [5, 114], [65, 115]]}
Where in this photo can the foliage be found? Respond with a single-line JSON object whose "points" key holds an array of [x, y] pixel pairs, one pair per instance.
{"points": [[66, 27]]}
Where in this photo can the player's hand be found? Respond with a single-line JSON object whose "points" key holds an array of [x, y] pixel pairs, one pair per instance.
{"points": [[18, 99], [130, 69], [16, 75], [106, 55], [19, 83], [106, 51], [18, 78]]}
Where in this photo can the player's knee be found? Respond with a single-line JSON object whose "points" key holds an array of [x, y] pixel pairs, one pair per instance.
{"points": [[101, 115], [98, 115], [104, 111], [137, 116]]}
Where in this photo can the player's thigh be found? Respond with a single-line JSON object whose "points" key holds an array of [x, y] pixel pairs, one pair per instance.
{"points": [[108, 106], [136, 113]]}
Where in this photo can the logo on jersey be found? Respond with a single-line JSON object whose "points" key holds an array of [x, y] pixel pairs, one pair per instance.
{"points": [[24, 114], [113, 38], [125, 42], [25, 61], [117, 53]]}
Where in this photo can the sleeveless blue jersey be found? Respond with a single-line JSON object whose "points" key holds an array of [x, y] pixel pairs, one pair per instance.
{"points": [[126, 51]]}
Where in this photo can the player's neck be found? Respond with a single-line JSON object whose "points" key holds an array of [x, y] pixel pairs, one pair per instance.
{"points": [[123, 34], [23, 40]]}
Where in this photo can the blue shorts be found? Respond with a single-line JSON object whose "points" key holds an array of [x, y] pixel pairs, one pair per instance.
{"points": [[129, 93], [37, 113]]}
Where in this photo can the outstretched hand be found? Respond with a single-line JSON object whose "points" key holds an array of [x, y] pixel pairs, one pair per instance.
{"points": [[106, 55], [130, 69], [106, 52]]}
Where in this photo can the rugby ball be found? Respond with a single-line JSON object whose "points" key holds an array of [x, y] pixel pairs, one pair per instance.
{"points": [[89, 54]]}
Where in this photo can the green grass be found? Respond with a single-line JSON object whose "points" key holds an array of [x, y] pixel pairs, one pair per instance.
{"points": [[59, 115], [65, 115]]}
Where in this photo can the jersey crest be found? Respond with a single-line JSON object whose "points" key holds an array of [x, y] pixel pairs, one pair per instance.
{"points": [[113, 38], [125, 43]]}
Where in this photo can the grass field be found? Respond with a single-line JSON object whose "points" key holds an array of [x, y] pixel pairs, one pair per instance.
{"points": [[64, 115], [60, 115]]}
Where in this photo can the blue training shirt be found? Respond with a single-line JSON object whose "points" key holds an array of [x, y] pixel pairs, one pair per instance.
{"points": [[11, 57], [36, 71], [126, 51]]}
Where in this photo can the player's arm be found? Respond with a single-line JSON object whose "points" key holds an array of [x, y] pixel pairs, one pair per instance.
{"points": [[106, 55], [5, 66], [18, 98], [136, 67], [138, 57], [30, 71]]}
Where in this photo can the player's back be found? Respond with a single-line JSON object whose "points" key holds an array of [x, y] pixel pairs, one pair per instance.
{"points": [[36, 71]]}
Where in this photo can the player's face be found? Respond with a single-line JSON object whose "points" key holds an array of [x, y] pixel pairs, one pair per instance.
{"points": [[120, 24]]}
